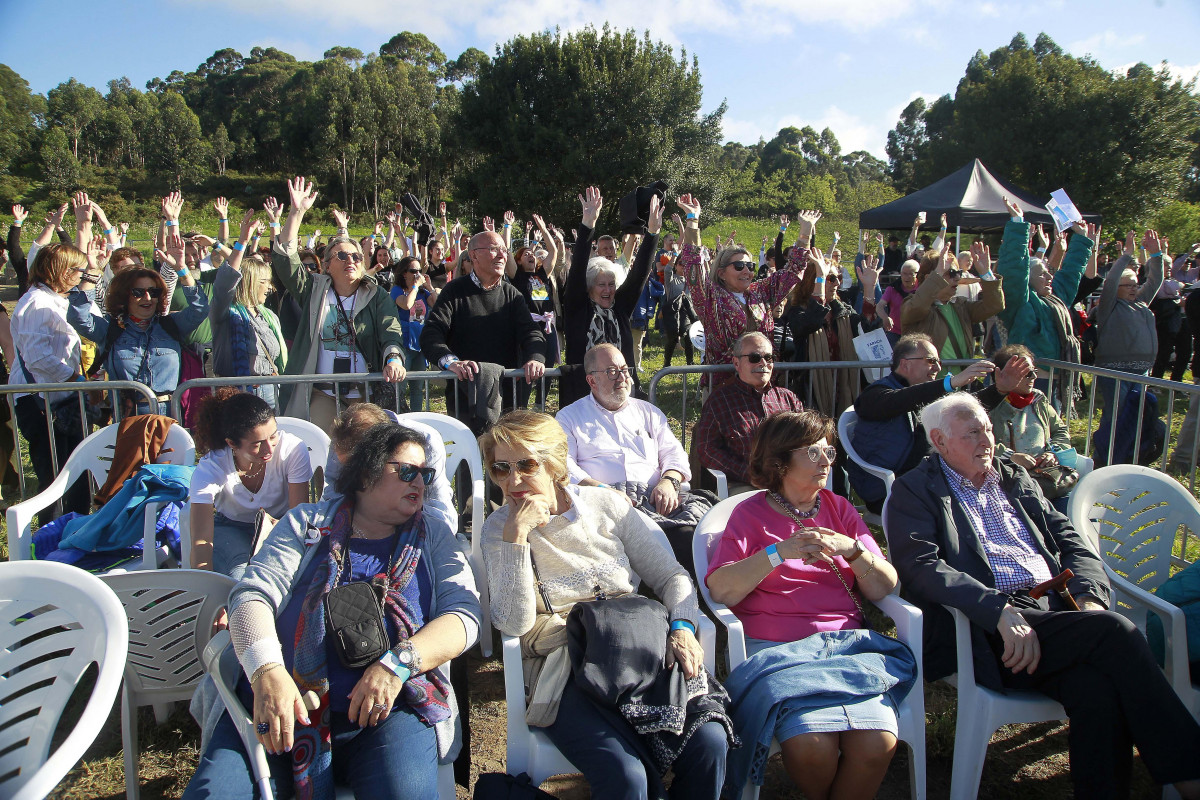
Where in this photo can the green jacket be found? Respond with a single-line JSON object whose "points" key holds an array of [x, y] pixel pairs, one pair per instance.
{"points": [[377, 331], [202, 336], [1028, 318], [1032, 428]]}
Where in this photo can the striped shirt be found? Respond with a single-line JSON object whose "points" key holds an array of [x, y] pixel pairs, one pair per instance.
{"points": [[1008, 544]]}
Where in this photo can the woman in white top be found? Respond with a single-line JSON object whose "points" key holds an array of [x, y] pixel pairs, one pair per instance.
{"points": [[48, 351], [248, 464]]}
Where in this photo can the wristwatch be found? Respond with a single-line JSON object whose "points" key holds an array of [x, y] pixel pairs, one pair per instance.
{"points": [[392, 662], [674, 482], [408, 656], [858, 551]]}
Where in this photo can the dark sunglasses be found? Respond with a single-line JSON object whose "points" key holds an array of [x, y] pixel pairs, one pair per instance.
{"points": [[525, 467], [954, 274], [347, 255], [408, 472], [311, 266], [758, 358], [741, 265], [413, 271], [138, 293]]}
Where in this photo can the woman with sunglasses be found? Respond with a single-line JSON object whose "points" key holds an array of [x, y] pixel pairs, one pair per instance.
{"points": [[247, 335], [136, 337], [414, 295], [377, 716], [246, 464], [728, 300], [349, 325], [553, 545], [596, 310], [787, 565]]}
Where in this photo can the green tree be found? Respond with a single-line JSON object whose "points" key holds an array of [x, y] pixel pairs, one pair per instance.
{"points": [[177, 150], [73, 106], [60, 167], [467, 66], [554, 112], [415, 49], [20, 112], [1042, 119], [221, 147]]}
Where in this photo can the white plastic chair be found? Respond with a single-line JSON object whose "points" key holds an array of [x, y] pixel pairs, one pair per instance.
{"points": [[846, 424], [94, 455], [531, 751], [981, 711], [911, 713], [1131, 515], [171, 616], [695, 332], [315, 439], [220, 662], [55, 621], [461, 446]]}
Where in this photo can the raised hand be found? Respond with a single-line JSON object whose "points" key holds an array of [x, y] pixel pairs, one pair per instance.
{"points": [[1014, 210], [222, 207], [441, 209], [489, 224], [592, 201], [378, 227], [341, 219], [1130, 243], [172, 205], [172, 256], [654, 219], [868, 271], [250, 225], [678, 222], [690, 205], [1151, 242], [783, 220], [272, 209], [976, 254], [124, 226], [19, 214], [55, 218], [1093, 232], [808, 224], [83, 208], [96, 254], [302, 194], [1043, 240], [944, 222], [509, 218]]}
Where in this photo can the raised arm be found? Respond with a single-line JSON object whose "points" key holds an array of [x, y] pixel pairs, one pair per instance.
{"points": [[510, 267], [285, 259], [631, 290], [1156, 248], [83, 219], [551, 246], [576, 285], [221, 205]]}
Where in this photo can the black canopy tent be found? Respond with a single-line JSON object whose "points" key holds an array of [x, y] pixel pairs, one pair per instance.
{"points": [[971, 198]]}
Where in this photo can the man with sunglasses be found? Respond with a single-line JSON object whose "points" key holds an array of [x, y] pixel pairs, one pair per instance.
{"points": [[735, 409], [889, 432], [615, 440]]}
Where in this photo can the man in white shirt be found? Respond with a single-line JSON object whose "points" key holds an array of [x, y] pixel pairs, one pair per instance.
{"points": [[613, 438]]}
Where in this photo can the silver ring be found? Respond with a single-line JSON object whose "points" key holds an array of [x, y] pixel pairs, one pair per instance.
{"points": [[379, 707], [263, 727]]}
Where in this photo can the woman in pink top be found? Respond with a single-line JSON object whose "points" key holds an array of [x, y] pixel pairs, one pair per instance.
{"points": [[893, 298], [777, 567]]}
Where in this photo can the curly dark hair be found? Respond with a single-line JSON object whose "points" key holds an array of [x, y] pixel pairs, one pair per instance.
{"points": [[116, 300], [364, 467], [228, 414], [400, 272], [780, 434]]}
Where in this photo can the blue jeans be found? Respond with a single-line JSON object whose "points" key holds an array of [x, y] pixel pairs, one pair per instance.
{"points": [[395, 760], [415, 362], [1112, 400], [606, 749], [231, 545]]}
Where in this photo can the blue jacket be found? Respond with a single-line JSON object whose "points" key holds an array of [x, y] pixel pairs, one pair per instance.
{"points": [[827, 668], [644, 310], [119, 522], [885, 443]]}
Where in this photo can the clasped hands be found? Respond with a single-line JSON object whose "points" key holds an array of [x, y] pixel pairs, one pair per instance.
{"points": [[816, 544]]}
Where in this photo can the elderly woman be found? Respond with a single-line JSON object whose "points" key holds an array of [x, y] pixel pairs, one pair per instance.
{"points": [[380, 716], [787, 565], [246, 464], [596, 310], [135, 336], [349, 324], [247, 336], [1126, 335], [728, 300], [553, 546], [894, 297]]}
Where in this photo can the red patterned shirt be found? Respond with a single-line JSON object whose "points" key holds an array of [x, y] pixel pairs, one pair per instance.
{"points": [[730, 418]]}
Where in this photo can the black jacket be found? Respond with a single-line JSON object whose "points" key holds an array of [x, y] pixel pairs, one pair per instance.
{"points": [[941, 561]]}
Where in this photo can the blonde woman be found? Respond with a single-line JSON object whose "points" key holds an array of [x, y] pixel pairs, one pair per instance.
{"points": [[247, 338]]}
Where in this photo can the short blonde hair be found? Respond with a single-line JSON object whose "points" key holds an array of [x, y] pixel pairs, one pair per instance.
{"points": [[534, 433], [54, 263], [255, 272]]}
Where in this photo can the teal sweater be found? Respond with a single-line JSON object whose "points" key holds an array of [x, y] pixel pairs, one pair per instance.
{"points": [[1029, 318]]}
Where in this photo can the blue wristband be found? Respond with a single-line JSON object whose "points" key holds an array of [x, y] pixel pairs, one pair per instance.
{"points": [[223, 220], [783, 228], [183, 273], [238, 246], [108, 231], [1157, 255], [681, 624], [946, 384], [691, 215], [818, 281]]}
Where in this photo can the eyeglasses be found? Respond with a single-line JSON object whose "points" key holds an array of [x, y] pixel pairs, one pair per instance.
{"points": [[612, 372], [412, 272], [758, 358], [408, 472], [311, 266], [348, 255], [954, 274], [741, 265], [497, 250], [932, 361], [815, 451], [1127, 286], [153, 293], [524, 466]]}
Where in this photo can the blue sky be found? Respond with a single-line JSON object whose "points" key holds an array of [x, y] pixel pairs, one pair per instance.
{"points": [[851, 65]]}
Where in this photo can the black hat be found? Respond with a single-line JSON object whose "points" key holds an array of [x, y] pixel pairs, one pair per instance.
{"points": [[422, 222], [634, 207]]}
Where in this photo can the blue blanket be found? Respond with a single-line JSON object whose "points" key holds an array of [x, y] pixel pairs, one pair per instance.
{"points": [[46, 543], [825, 669], [119, 523]]}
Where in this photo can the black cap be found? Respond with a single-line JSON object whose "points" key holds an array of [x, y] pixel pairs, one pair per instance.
{"points": [[634, 207]]}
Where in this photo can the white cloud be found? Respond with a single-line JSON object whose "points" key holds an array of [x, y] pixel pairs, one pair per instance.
{"points": [[987, 10], [1181, 73], [1104, 42]]}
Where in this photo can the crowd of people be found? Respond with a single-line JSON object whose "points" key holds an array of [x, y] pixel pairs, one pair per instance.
{"points": [[588, 504]]}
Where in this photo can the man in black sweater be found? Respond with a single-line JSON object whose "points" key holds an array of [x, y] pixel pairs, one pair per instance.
{"points": [[479, 319]]}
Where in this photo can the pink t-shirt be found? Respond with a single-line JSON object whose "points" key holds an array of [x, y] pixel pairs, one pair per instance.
{"points": [[797, 599]]}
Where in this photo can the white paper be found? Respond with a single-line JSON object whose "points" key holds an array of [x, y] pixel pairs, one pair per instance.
{"points": [[874, 346], [1063, 211]]}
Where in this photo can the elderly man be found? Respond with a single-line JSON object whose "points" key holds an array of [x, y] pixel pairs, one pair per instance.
{"points": [[735, 409], [889, 433], [614, 439], [482, 319], [973, 532]]}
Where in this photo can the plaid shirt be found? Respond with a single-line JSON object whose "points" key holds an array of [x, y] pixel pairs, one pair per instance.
{"points": [[1008, 544], [730, 418]]}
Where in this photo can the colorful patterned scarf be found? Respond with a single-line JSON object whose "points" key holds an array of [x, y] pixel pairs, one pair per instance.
{"points": [[425, 694]]}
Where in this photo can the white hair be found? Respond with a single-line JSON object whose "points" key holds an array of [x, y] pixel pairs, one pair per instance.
{"points": [[956, 405], [739, 345], [1130, 273], [598, 265]]}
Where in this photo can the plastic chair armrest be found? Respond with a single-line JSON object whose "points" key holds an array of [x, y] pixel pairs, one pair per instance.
{"points": [[1177, 668]]}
